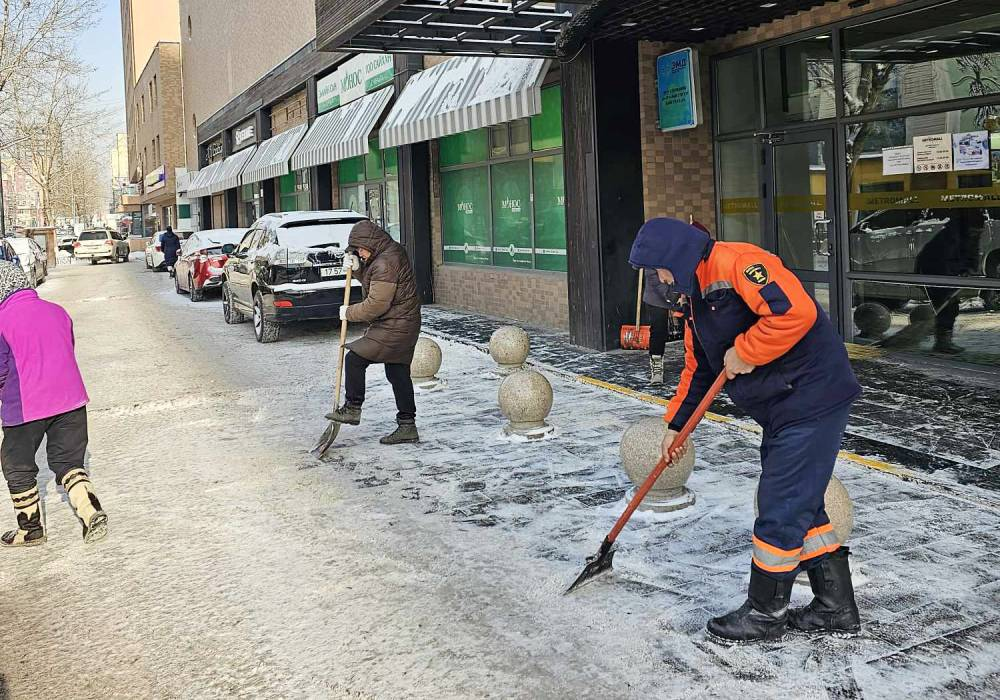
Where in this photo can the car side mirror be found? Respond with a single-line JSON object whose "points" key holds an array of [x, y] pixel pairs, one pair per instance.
{"points": [[228, 249]]}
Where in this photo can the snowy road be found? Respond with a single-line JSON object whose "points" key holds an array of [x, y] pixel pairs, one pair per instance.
{"points": [[240, 566]]}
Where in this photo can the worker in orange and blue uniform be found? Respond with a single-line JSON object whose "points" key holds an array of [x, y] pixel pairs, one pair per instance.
{"points": [[788, 369]]}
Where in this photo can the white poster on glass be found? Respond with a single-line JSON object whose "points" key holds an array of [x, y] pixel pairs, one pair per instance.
{"points": [[932, 154], [972, 150], [897, 161]]}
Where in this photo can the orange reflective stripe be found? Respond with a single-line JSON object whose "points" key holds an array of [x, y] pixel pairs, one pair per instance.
{"points": [[821, 530], [781, 568], [777, 551], [822, 550], [687, 374]]}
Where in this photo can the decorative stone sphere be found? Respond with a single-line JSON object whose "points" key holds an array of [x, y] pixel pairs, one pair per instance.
{"points": [[640, 451], [426, 362], [509, 347], [923, 313], [839, 508], [525, 399], [872, 319]]}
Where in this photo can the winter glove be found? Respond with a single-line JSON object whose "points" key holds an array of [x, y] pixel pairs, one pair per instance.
{"points": [[352, 261], [343, 313]]}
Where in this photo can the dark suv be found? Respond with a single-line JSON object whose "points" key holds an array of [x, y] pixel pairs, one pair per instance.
{"points": [[288, 267]]}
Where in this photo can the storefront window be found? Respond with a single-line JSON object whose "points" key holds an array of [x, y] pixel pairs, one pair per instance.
{"points": [[736, 86], [503, 203], [931, 207], [550, 213], [250, 209], [798, 81], [512, 214], [949, 51], [960, 322], [467, 147], [369, 186], [465, 202], [546, 128], [293, 190], [739, 191]]}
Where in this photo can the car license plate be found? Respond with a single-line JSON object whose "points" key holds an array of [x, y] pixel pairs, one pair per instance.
{"points": [[330, 271]]}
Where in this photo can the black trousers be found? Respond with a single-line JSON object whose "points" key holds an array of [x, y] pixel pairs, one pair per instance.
{"points": [[946, 307], [397, 374], [659, 329], [66, 447]]}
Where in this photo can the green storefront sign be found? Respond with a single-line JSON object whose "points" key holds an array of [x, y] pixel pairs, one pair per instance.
{"points": [[512, 214], [465, 199], [353, 79]]}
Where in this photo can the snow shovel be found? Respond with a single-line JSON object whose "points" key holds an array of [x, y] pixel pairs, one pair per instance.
{"points": [[332, 430], [601, 561], [635, 337]]}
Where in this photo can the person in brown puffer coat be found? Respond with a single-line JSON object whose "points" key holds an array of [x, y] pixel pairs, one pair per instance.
{"points": [[391, 307]]}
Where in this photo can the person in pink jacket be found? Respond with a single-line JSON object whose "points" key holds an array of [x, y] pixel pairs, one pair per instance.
{"points": [[41, 396]]}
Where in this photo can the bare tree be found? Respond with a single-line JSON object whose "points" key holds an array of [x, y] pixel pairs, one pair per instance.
{"points": [[62, 141], [38, 34]]}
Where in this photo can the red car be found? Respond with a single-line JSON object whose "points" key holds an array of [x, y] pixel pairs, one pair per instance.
{"points": [[200, 262]]}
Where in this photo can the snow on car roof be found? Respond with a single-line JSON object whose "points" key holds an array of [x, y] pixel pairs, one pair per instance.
{"points": [[219, 236], [291, 217]]}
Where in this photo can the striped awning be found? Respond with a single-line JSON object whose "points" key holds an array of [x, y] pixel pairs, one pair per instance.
{"points": [[271, 158], [228, 175], [342, 133], [462, 94], [201, 179]]}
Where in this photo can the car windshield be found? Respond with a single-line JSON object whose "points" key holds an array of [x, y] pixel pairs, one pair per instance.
{"points": [[93, 235], [315, 235], [20, 245]]}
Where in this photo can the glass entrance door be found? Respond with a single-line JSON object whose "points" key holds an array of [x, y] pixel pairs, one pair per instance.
{"points": [[798, 212], [373, 197]]}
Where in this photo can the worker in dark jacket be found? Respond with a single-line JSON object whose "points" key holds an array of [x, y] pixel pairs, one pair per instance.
{"points": [[788, 369], [171, 245], [392, 310]]}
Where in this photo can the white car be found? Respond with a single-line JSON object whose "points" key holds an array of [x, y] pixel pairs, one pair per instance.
{"points": [[33, 259], [101, 244], [154, 251]]}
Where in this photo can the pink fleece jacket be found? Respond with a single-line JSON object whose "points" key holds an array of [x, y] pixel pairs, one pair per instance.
{"points": [[39, 377]]}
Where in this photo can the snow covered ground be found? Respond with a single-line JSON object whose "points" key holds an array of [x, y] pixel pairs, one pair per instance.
{"points": [[240, 565]]}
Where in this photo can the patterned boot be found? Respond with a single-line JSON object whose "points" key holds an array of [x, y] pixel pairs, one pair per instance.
{"points": [[29, 530], [656, 369], [85, 505]]}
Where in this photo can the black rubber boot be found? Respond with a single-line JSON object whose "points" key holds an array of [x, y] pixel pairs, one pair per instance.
{"points": [[832, 610], [762, 618], [405, 432], [943, 344], [346, 414]]}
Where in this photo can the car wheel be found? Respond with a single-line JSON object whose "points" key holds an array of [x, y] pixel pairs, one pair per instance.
{"points": [[265, 331], [196, 294], [229, 312], [93, 261]]}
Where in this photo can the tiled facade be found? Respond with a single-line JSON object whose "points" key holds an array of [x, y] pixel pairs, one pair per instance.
{"points": [[539, 298], [289, 113], [678, 166], [158, 132]]}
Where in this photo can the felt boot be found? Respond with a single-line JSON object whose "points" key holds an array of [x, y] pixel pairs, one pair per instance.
{"points": [[762, 618], [346, 414], [832, 610], [29, 530], [656, 369], [406, 432], [85, 505]]}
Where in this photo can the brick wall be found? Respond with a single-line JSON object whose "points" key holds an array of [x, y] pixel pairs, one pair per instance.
{"points": [[678, 166], [536, 297]]}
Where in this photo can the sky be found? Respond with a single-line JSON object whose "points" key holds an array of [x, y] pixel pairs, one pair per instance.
{"points": [[101, 47]]}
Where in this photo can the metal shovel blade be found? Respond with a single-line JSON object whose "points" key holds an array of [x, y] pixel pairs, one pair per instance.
{"points": [[596, 564], [325, 440]]}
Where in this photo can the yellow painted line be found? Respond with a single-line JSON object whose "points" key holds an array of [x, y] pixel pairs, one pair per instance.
{"points": [[863, 352], [868, 462]]}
